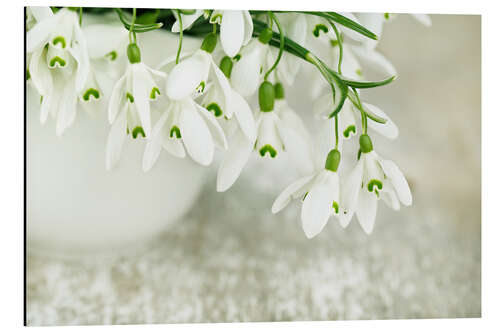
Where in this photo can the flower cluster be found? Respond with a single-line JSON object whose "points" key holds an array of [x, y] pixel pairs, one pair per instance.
{"points": [[203, 99]]}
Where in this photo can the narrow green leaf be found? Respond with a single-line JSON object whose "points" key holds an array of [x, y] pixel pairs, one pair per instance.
{"points": [[367, 84], [346, 22]]}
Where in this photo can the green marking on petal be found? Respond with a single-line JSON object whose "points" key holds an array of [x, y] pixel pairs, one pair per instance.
{"points": [[175, 130], [359, 72], [28, 75], [335, 206], [348, 130], [130, 97], [305, 195], [237, 57], [112, 55], [334, 42], [268, 148], [91, 92], [58, 60], [374, 182], [138, 130], [386, 16], [154, 92], [201, 87], [215, 108], [41, 99], [59, 40], [318, 28]]}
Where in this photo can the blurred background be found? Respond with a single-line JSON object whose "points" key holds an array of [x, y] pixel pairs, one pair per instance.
{"points": [[230, 259]]}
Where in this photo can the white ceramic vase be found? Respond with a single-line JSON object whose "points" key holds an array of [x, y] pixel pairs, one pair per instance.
{"points": [[76, 207]]}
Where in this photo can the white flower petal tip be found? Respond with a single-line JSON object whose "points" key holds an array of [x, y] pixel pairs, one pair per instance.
{"points": [[233, 163], [292, 191], [232, 31]]}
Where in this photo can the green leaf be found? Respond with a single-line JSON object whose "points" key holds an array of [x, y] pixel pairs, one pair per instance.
{"points": [[367, 84], [346, 22]]}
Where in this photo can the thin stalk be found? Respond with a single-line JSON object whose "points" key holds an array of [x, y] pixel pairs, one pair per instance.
{"points": [[179, 17]]}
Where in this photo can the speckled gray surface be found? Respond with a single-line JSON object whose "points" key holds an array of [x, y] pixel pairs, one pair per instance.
{"points": [[231, 260]]}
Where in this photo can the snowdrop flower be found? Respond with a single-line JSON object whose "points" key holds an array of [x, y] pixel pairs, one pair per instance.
{"points": [[59, 66], [129, 105], [236, 28], [247, 71], [371, 179], [347, 123], [185, 125], [320, 195], [107, 47], [275, 134], [36, 14]]}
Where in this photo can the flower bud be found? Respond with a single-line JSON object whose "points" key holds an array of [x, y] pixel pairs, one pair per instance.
{"points": [[279, 91], [209, 42], [332, 160], [365, 143], [133, 53], [265, 35], [226, 66], [266, 96]]}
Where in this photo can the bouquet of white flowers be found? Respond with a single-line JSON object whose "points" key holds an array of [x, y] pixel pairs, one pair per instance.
{"points": [[203, 96]]}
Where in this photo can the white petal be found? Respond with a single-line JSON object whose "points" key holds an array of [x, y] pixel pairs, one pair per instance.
{"points": [[390, 198], [234, 161], [352, 186], [116, 137], [79, 51], [41, 13], [293, 190], [248, 27], [187, 20], [232, 31], [316, 209], [374, 23], [115, 101], [174, 146], [389, 129], [104, 38], [214, 127], [40, 33], [67, 109], [398, 181], [296, 141], [196, 136], [246, 73], [423, 18], [243, 115], [141, 86], [153, 146], [374, 59], [40, 73], [225, 87], [187, 76], [366, 211]]}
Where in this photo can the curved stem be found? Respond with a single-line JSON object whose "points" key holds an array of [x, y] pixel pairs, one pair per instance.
{"points": [[282, 44], [179, 17], [341, 48]]}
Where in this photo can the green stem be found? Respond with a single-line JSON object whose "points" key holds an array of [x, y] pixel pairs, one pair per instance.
{"points": [[282, 44], [179, 17], [364, 120], [337, 132], [340, 42], [131, 33]]}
